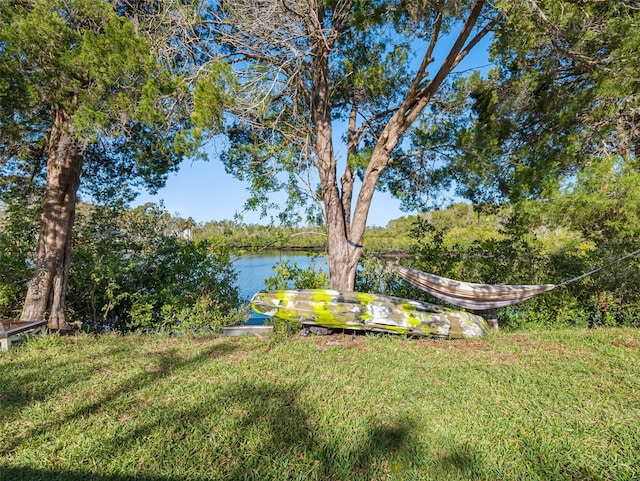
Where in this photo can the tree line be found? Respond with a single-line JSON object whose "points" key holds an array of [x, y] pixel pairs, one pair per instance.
{"points": [[104, 97], [144, 269]]}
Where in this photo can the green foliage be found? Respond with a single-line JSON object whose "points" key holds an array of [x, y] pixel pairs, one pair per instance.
{"points": [[210, 95], [393, 238], [375, 276], [242, 238], [180, 287], [603, 202], [119, 70], [560, 100], [287, 275], [18, 231], [133, 270]]}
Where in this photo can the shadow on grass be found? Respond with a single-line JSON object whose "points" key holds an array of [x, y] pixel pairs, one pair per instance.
{"points": [[287, 443], [273, 432], [29, 474], [268, 429], [291, 441], [462, 460], [15, 395], [28, 381], [272, 436]]}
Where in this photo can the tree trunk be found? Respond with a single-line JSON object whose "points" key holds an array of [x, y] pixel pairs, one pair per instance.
{"points": [[343, 257], [47, 289], [344, 254]]}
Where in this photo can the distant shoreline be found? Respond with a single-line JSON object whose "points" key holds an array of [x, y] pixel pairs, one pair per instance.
{"points": [[282, 249], [381, 255]]}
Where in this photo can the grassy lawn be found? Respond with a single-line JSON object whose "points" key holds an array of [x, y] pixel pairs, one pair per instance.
{"points": [[516, 406]]}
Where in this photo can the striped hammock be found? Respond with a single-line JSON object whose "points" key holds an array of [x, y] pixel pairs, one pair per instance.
{"points": [[478, 297], [481, 297]]}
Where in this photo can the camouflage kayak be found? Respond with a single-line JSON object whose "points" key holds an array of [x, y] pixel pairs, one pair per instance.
{"points": [[371, 312]]}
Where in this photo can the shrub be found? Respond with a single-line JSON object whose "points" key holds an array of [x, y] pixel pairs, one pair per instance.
{"points": [[132, 271], [288, 275], [18, 234]]}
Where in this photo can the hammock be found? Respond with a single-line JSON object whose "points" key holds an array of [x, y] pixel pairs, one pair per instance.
{"points": [[480, 297]]}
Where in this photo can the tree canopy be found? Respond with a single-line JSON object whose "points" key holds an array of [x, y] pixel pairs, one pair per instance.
{"points": [[560, 110], [103, 64], [308, 70], [95, 89]]}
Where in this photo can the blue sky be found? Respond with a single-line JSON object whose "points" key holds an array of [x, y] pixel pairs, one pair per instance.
{"points": [[203, 191]]}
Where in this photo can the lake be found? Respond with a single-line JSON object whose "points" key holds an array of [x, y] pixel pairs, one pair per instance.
{"points": [[253, 269]]}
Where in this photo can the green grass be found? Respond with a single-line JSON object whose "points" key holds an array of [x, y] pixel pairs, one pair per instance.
{"points": [[523, 406]]}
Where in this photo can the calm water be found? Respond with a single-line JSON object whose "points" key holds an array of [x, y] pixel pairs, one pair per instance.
{"points": [[255, 268]]}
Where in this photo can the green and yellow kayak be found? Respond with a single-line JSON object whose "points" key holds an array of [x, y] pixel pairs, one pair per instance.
{"points": [[370, 312]]}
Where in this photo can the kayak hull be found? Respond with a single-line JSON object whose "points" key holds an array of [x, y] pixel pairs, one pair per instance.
{"points": [[369, 312]]}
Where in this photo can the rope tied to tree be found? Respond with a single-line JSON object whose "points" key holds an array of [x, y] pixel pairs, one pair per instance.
{"points": [[484, 296], [586, 274]]}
